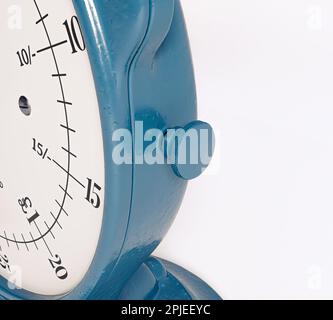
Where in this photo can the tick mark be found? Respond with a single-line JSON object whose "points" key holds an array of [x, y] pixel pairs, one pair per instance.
{"points": [[52, 46], [18, 248], [61, 208], [62, 168], [59, 75], [6, 238], [56, 220], [43, 239], [65, 102], [33, 240], [25, 242], [67, 128], [42, 19], [50, 230], [69, 152], [66, 192]]}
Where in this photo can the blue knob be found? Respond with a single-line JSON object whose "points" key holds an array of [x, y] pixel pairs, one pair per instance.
{"points": [[189, 150]]}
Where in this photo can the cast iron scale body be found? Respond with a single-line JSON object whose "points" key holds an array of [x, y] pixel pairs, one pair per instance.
{"points": [[73, 223]]}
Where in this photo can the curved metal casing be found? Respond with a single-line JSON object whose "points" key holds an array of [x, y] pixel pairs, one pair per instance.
{"points": [[141, 62]]}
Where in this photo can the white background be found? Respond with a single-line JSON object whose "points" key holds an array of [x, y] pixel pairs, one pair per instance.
{"points": [[260, 224]]}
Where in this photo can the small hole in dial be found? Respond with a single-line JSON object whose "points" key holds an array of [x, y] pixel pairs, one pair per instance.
{"points": [[25, 106]]}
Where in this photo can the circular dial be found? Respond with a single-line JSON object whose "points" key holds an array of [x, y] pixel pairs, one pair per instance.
{"points": [[51, 160]]}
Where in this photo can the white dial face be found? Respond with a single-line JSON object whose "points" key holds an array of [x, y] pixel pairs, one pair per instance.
{"points": [[51, 150]]}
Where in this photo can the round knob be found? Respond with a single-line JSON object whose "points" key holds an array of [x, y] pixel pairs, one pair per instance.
{"points": [[190, 149]]}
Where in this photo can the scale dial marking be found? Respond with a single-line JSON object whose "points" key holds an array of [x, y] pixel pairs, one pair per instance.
{"points": [[52, 160]]}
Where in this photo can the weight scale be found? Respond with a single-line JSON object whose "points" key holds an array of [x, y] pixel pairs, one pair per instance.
{"points": [[74, 223]]}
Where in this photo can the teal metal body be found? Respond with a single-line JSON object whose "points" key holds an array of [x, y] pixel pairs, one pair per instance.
{"points": [[141, 62]]}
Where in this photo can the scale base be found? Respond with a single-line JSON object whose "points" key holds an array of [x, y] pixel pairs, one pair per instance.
{"points": [[158, 279]]}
